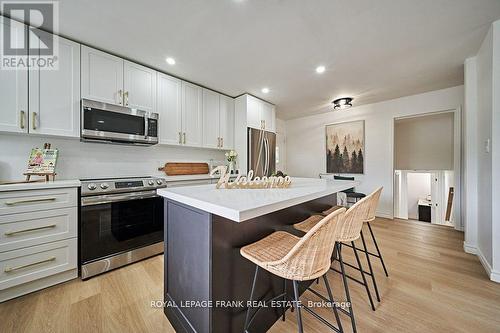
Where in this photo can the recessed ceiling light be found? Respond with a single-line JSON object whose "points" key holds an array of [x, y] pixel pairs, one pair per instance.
{"points": [[320, 69], [265, 90], [170, 61], [342, 103]]}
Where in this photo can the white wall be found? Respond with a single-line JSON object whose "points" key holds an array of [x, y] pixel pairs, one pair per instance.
{"points": [[484, 89], [424, 142], [281, 144], [482, 78], [470, 156], [419, 187], [306, 151], [79, 160], [495, 153]]}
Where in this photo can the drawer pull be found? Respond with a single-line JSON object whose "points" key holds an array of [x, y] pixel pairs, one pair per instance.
{"points": [[11, 233], [11, 269], [13, 203]]}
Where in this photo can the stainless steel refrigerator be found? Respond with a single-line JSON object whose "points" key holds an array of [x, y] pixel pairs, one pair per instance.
{"points": [[261, 152]]}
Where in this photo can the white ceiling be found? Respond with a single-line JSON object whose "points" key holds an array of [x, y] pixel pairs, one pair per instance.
{"points": [[373, 50]]}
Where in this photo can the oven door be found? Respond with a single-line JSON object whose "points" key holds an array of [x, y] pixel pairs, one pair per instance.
{"points": [[107, 122], [111, 224]]}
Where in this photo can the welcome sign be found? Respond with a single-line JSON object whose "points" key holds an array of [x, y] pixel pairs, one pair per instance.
{"points": [[249, 181]]}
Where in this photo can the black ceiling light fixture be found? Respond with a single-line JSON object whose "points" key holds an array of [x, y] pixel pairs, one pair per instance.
{"points": [[342, 103]]}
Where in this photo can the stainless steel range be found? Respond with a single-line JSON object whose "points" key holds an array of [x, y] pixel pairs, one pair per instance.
{"points": [[121, 221]]}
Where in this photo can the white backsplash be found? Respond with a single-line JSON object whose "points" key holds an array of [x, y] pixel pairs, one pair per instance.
{"points": [[78, 160]]}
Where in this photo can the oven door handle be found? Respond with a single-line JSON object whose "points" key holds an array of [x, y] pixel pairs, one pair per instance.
{"points": [[109, 198]]}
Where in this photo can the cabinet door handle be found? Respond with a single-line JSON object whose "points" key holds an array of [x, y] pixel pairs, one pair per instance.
{"points": [[22, 119], [120, 97], [11, 233], [125, 97], [13, 203], [184, 138], [33, 118], [221, 142], [218, 142], [11, 269], [180, 137]]}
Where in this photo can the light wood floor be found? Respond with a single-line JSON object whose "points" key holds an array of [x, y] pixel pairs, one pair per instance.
{"points": [[433, 287]]}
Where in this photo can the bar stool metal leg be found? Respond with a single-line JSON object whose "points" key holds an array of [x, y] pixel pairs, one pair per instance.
{"points": [[297, 306], [334, 307], [378, 250], [247, 318], [346, 286], [372, 274], [363, 275], [284, 300]]}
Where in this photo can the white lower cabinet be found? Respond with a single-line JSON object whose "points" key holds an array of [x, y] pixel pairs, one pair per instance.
{"points": [[38, 239], [25, 265]]}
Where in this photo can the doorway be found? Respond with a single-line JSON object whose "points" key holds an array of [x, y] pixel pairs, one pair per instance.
{"points": [[427, 168]]}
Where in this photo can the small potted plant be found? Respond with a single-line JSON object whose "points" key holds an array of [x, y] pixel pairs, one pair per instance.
{"points": [[231, 159]]}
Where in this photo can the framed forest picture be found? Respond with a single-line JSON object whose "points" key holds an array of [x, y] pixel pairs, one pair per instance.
{"points": [[345, 147]]}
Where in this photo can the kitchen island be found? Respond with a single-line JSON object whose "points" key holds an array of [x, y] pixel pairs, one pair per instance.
{"points": [[207, 281]]}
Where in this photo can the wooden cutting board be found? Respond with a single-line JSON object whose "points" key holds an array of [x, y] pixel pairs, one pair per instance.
{"points": [[178, 169]]}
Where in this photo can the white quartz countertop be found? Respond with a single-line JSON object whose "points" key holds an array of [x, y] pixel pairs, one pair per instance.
{"points": [[243, 204], [39, 185]]}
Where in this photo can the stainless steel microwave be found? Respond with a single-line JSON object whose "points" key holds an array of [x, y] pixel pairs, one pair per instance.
{"points": [[108, 123]]}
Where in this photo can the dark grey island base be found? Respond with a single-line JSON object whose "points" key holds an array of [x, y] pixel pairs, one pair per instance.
{"points": [[203, 263]]}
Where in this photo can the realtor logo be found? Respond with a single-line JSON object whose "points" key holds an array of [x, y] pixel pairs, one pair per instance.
{"points": [[29, 45]]}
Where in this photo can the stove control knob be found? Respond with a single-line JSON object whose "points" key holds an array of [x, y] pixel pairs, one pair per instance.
{"points": [[151, 182], [92, 186], [158, 182], [104, 186]]}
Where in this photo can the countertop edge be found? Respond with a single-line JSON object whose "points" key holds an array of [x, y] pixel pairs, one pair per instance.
{"points": [[40, 185], [243, 215]]}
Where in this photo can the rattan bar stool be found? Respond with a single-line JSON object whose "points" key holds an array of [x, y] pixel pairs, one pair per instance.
{"points": [[349, 230], [370, 216], [296, 259]]}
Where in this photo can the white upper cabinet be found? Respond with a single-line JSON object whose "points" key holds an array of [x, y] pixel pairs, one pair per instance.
{"points": [[211, 137], [267, 116], [260, 114], [139, 87], [254, 107], [54, 95], [192, 119], [102, 76], [226, 122], [14, 88], [169, 108]]}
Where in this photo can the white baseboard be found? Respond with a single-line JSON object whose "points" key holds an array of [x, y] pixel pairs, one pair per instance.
{"points": [[470, 248], [384, 215], [494, 275]]}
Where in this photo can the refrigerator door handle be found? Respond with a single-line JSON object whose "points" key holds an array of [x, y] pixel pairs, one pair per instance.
{"points": [[266, 165]]}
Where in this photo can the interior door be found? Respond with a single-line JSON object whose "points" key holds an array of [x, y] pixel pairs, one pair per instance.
{"points": [[55, 94], [211, 119], [14, 88], [169, 109], [139, 85], [102, 76], [192, 114]]}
